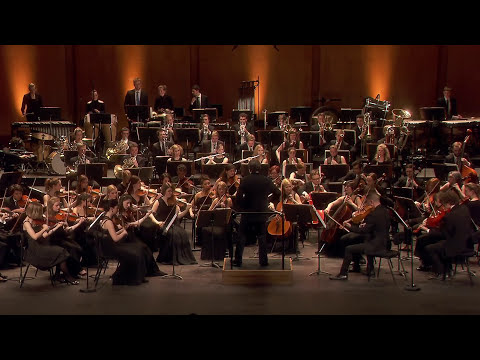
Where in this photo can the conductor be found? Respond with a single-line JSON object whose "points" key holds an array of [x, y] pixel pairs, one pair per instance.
{"points": [[252, 195]]}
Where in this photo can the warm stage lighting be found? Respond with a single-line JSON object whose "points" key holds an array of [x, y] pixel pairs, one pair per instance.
{"points": [[379, 69], [131, 65]]}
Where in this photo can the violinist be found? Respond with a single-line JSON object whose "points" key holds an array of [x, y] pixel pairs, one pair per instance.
{"points": [[299, 178], [370, 237], [62, 237], [220, 233], [122, 187], [139, 199], [292, 141], [177, 153], [39, 250], [334, 158], [454, 184], [202, 199], [456, 229], [132, 268], [289, 196], [219, 158], [163, 211], [165, 178], [263, 157], [275, 176], [291, 160], [181, 181], [112, 193], [229, 177], [53, 188], [12, 203], [83, 208], [128, 220]]}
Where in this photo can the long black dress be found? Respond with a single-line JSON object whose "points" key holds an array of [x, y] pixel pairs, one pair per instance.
{"points": [[176, 235], [147, 230], [132, 268], [41, 253], [221, 234], [61, 238]]}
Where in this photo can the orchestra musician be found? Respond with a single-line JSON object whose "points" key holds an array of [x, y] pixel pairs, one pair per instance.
{"points": [[313, 185], [455, 183], [163, 211], [243, 130], [360, 134], [372, 237], [448, 103], [134, 191], [165, 178], [355, 173], [410, 181], [163, 101], [163, 145], [334, 158], [124, 139], [203, 198], [282, 122], [298, 178], [220, 233], [77, 140], [248, 145], [132, 268], [97, 106], [136, 97], [324, 136], [135, 159], [122, 187], [219, 158], [290, 196], [292, 159], [275, 175], [53, 188], [177, 153], [169, 125], [382, 155], [229, 176], [455, 156], [81, 157], [339, 140], [31, 103], [11, 203], [204, 128], [263, 157], [292, 141], [111, 193], [199, 100], [210, 146], [456, 229], [39, 250], [181, 181], [252, 196]]}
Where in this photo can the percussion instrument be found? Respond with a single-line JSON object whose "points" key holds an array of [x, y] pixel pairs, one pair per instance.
{"points": [[54, 128], [42, 136], [55, 162]]}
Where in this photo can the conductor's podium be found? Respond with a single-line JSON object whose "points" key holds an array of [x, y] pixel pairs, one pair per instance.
{"points": [[251, 273]]}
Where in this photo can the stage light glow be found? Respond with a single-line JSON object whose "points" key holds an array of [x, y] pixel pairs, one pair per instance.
{"points": [[379, 70], [258, 65], [132, 65]]}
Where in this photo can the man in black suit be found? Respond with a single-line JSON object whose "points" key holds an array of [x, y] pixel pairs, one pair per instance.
{"points": [[199, 101], [321, 140], [455, 156], [11, 202], [252, 195], [456, 230], [162, 146], [448, 103], [339, 140], [374, 235], [31, 103], [243, 129], [135, 159], [81, 158], [136, 97], [410, 180], [249, 145], [210, 146], [360, 133]]}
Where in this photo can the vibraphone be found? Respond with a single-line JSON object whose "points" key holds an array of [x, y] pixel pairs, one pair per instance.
{"points": [[54, 128]]}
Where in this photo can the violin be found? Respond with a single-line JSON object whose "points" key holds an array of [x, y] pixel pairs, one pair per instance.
{"points": [[25, 200], [233, 181], [359, 215], [147, 191]]}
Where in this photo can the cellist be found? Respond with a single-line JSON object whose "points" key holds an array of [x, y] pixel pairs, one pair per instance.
{"points": [[289, 196]]}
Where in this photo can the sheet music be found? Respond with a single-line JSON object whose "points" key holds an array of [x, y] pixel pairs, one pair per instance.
{"points": [[165, 231]]}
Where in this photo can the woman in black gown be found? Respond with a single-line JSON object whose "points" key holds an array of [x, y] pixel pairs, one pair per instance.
{"points": [[40, 252], [132, 268], [175, 242], [129, 221]]}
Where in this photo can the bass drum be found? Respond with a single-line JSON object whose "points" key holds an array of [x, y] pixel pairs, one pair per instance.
{"points": [[55, 163], [330, 112]]}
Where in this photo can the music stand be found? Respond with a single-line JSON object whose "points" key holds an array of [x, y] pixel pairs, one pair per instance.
{"points": [[179, 112], [348, 115], [50, 113], [187, 136], [37, 194], [344, 153], [334, 172], [246, 154], [172, 167], [228, 138], [219, 108], [405, 192], [213, 170], [137, 113], [264, 168], [272, 118], [69, 154], [409, 205], [433, 113], [211, 112], [300, 213], [289, 168], [441, 170], [160, 163], [147, 135], [276, 137], [144, 173], [301, 113], [217, 217], [94, 171], [10, 178], [322, 199], [379, 170], [236, 115]]}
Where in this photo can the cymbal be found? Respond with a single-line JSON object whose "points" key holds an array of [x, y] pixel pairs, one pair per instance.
{"points": [[42, 136]]}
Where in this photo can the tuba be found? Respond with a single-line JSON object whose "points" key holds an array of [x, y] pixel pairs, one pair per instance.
{"points": [[399, 115]]}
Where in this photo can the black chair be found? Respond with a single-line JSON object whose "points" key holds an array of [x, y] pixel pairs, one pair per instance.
{"points": [[24, 246], [388, 255], [461, 258], [102, 257]]}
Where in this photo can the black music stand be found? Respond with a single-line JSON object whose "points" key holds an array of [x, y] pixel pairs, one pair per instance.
{"points": [[37, 194], [276, 137], [50, 113], [301, 114], [144, 173], [348, 115], [379, 170], [272, 118], [172, 167], [299, 213], [441, 170], [188, 136], [410, 207], [160, 163], [217, 217], [322, 199], [138, 113], [334, 172], [213, 170], [10, 178], [405, 192], [236, 115], [94, 171], [228, 138], [436, 113], [147, 135]]}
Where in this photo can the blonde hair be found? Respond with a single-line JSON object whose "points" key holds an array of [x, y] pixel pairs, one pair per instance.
{"points": [[52, 202], [34, 210], [387, 152], [176, 147]]}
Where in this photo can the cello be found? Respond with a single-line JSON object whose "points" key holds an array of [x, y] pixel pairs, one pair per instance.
{"points": [[342, 214], [468, 174], [275, 227]]}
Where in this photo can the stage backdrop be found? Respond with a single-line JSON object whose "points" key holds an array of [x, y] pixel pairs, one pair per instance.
{"points": [[409, 76]]}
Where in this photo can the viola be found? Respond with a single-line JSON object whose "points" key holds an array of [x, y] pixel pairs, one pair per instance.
{"points": [[359, 215], [233, 181], [25, 200], [343, 213]]}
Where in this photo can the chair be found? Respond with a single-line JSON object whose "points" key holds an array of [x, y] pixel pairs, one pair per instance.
{"points": [[102, 258], [461, 258], [23, 247], [388, 255]]}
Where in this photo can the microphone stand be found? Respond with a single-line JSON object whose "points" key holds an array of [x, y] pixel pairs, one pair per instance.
{"points": [[88, 289], [408, 233]]}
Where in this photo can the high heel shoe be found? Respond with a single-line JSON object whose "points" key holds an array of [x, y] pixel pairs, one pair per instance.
{"points": [[71, 282]]}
